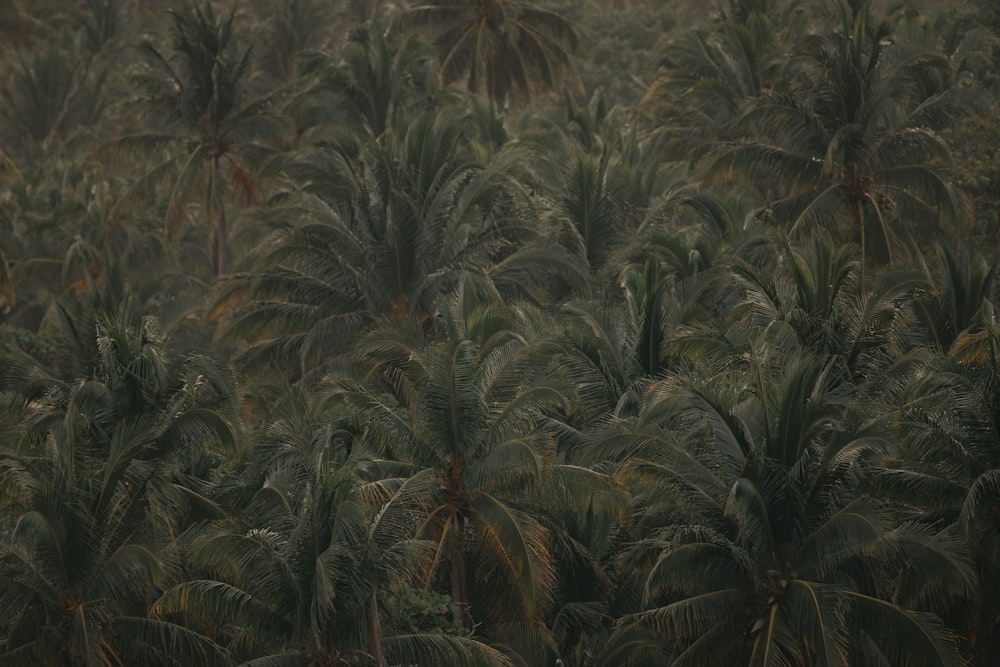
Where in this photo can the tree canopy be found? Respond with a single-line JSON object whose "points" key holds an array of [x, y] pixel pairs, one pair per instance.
{"points": [[500, 333]]}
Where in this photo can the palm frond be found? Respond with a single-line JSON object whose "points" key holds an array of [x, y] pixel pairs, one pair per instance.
{"points": [[444, 650], [520, 544], [818, 613], [902, 635], [693, 615], [174, 640]]}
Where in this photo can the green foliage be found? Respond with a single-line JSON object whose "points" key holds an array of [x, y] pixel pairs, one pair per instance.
{"points": [[501, 46], [976, 146], [608, 377], [16, 343], [621, 58], [411, 610]]}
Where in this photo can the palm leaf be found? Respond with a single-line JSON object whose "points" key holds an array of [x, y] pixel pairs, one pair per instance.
{"points": [[519, 543], [902, 635], [775, 644], [292, 659], [217, 602], [693, 615], [444, 650], [857, 529], [818, 613], [174, 640]]}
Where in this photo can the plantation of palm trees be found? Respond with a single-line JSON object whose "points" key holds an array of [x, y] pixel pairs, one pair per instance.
{"points": [[523, 333]]}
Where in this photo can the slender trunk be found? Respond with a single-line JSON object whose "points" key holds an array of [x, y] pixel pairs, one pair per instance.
{"points": [[986, 639], [217, 237], [859, 223], [459, 582], [220, 242], [375, 631]]}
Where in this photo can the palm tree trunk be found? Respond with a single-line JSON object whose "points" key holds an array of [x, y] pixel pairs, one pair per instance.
{"points": [[375, 631], [859, 224], [217, 237], [220, 242], [459, 582]]}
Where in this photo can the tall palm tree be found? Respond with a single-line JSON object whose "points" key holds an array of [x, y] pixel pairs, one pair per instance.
{"points": [[854, 142], [502, 46], [100, 473], [302, 571], [466, 410], [203, 133], [768, 551], [384, 225]]}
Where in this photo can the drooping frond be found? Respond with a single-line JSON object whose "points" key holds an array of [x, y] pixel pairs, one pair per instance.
{"points": [[444, 650], [902, 635]]}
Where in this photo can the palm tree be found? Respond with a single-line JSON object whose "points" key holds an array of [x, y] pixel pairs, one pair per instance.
{"points": [[943, 469], [99, 474], [378, 78], [384, 225], [710, 73], [952, 314], [855, 140], [291, 28], [595, 201], [56, 94], [813, 294], [758, 544], [504, 46], [466, 411], [302, 572], [617, 341], [67, 250], [206, 135], [456, 438]]}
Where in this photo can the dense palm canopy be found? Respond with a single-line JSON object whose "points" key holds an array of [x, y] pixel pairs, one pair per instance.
{"points": [[325, 340], [857, 143], [775, 546], [500, 46], [206, 135], [476, 439], [102, 470], [383, 225]]}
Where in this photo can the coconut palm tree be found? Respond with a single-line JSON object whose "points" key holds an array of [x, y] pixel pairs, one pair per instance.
{"points": [[760, 544], [54, 95], [618, 340], [98, 475], [813, 294], [952, 314], [711, 72], [291, 27], [943, 469], [501, 46], [302, 572], [383, 225], [853, 142], [596, 201], [375, 80], [202, 132], [466, 410]]}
